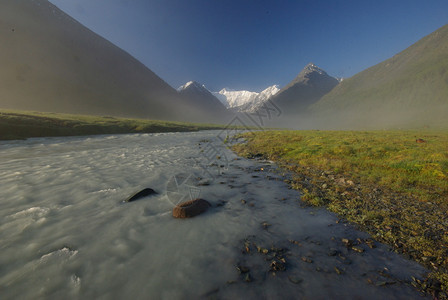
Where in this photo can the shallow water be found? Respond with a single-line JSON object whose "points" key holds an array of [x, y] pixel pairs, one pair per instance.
{"points": [[65, 232]]}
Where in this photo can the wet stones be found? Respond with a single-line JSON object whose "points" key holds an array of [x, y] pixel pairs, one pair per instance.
{"points": [[265, 225], [347, 242], [190, 209], [242, 269], [358, 249], [143, 193], [278, 265], [306, 259]]}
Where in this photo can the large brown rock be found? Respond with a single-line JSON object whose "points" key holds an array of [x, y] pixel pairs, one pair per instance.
{"points": [[189, 209]]}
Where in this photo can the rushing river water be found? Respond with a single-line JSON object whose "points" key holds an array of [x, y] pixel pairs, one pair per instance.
{"points": [[66, 234]]}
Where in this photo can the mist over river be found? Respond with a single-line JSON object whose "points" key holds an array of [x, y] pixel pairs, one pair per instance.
{"points": [[65, 232]]}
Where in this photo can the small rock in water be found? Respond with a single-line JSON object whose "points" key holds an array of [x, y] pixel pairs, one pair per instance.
{"points": [[221, 203], [262, 250], [307, 259], [358, 249], [370, 243], [203, 182], [143, 193], [189, 209], [242, 269], [265, 225], [278, 265], [294, 279], [338, 271], [295, 242], [333, 252], [347, 242]]}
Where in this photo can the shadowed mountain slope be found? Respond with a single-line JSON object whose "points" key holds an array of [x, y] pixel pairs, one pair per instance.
{"points": [[50, 62], [307, 88], [197, 95]]}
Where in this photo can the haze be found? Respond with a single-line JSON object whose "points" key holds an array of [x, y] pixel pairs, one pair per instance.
{"points": [[251, 45]]}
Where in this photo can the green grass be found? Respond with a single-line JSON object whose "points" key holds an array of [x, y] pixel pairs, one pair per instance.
{"points": [[24, 124], [384, 181], [411, 88]]}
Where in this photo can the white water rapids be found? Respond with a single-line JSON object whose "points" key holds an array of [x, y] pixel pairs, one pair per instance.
{"points": [[65, 233]]}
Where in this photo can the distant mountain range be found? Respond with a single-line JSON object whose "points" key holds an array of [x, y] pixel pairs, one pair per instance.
{"points": [[50, 62], [241, 101]]}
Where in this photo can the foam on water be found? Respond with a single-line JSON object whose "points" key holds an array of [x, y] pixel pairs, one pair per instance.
{"points": [[64, 231]]}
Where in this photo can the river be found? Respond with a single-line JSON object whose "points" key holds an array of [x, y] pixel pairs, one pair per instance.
{"points": [[65, 231]]}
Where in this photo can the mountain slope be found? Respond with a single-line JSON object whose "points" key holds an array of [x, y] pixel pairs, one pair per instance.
{"points": [[198, 96], [409, 89], [308, 87], [50, 62]]}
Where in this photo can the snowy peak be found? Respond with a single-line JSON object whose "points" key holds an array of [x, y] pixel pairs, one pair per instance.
{"points": [[269, 92], [246, 100], [193, 85], [312, 68], [238, 98]]}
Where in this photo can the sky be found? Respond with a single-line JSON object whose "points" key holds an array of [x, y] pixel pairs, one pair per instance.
{"points": [[253, 44]]}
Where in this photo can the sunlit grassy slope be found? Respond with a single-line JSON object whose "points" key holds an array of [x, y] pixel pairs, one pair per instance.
{"points": [[20, 124], [384, 181], [409, 89]]}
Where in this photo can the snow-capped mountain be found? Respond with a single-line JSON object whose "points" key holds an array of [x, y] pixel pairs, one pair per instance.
{"points": [[307, 88], [193, 85], [245, 100], [197, 95]]}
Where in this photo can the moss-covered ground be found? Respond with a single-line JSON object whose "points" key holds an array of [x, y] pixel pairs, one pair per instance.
{"points": [[392, 184]]}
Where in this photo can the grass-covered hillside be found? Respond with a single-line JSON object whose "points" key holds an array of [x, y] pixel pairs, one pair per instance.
{"points": [[409, 89], [21, 124], [393, 184]]}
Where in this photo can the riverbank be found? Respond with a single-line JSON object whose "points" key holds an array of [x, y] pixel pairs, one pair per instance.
{"points": [[392, 184], [24, 124]]}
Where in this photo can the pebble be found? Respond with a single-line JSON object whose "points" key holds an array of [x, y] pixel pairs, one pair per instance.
{"points": [[306, 259], [358, 249], [338, 271], [333, 252], [294, 279]]}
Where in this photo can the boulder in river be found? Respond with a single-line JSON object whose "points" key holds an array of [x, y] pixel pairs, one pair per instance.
{"points": [[143, 193], [189, 209]]}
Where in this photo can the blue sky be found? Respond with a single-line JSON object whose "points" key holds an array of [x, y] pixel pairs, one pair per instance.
{"points": [[249, 44]]}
